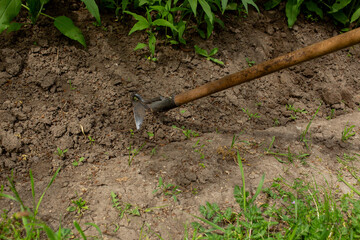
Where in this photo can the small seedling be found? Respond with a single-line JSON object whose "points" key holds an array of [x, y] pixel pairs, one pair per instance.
{"points": [[61, 153], [250, 115], [332, 112], [202, 165], [125, 208], [71, 87], [233, 141], [92, 140], [133, 152], [276, 122], [76, 163], [187, 132], [80, 206], [153, 151], [150, 134], [250, 63], [303, 134], [347, 133], [205, 53], [199, 149], [167, 189], [131, 132]]}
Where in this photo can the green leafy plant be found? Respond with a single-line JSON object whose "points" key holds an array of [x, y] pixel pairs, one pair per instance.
{"points": [[125, 208], [249, 62], [249, 114], [296, 210], [79, 206], [343, 11], [9, 9], [199, 149], [167, 189], [305, 132], [133, 152], [187, 132], [204, 53], [148, 24], [332, 113], [295, 111], [60, 152], [76, 163], [347, 133]]}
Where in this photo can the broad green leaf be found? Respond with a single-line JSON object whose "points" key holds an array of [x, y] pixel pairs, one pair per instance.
{"points": [[207, 9], [164, 23], [224, 4], [35, 7], [77, 226], [93, 9], [67, 27], [218, 21], [201, 51], [292, 11], [338, 5], [209, 27], [124, 4], [152, 43], [355, 16], [213, 51], [181, 26], [251, 2], [232, 6], [8, 10], [341, 17], [14, 26], [271, 4], [95, 226], [140, 46], [193, 5], [140, 25], [313, 7]]}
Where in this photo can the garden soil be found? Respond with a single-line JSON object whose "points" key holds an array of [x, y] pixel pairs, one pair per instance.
{"points": [[54, 94]]}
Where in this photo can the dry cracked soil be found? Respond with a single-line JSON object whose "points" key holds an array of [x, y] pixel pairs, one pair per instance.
{"points": [[56, 94]]}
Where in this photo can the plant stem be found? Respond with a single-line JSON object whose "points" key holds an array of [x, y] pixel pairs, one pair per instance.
{"points": [[26, 7]]}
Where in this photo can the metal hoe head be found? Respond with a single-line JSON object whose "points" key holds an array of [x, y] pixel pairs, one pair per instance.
{"points": [[139, 109], [141, 106]]}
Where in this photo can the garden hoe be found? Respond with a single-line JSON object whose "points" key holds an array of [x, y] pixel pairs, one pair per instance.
{"points": [[162, 104]]}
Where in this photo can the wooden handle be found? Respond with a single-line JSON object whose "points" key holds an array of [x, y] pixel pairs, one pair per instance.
{"points": [[305, 54]]}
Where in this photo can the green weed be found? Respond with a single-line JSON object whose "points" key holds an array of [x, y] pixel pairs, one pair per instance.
{"points": [[91, 140], [199, 149], [289, 155], [205, 53], [76, 163], [347, 133], [133, 152], [305, 132], [342, 11], [79, 206], [295, 210], [167, 189], [332, 113], [249, 62], [25, 224], [10, 9], [60, 152], [187, 132], [125, 208], [249, 114], [71, 87]]}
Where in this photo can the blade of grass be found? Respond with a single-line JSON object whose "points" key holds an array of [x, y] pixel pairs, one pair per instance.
{"points": [[243, 179], [47, 187]]}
